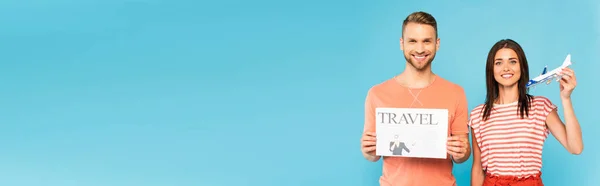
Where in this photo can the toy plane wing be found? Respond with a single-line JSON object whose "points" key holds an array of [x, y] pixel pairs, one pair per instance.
{"points": [[548, 76]]}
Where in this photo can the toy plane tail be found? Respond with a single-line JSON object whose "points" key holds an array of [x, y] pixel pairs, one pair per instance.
{"points": [[545, 70], [567, 61]]}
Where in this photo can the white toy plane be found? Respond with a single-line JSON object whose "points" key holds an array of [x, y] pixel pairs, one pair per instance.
{"points": [[547, 77]]}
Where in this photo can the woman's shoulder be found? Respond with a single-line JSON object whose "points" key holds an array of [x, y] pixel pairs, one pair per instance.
{"points": [[477, 109], [541, 100], [541, 104]]}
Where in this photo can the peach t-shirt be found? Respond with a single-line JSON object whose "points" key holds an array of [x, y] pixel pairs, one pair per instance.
{"points": [[441, 93]]}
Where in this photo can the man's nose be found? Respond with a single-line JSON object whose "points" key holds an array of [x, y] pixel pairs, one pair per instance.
{"points": [[420, 47]]}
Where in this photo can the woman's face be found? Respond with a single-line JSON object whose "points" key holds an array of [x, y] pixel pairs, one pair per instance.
{"points": [[507, 68]]}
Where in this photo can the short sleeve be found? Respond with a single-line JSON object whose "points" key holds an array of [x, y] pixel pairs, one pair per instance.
{"points": [[546, 108], [474, 121], [460, 121], [470, 123], [369, 123]]}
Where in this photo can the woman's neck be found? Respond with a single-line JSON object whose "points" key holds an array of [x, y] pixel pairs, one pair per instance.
{"points": [[507, 94]]}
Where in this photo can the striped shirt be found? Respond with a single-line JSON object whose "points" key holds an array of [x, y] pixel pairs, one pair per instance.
{"points": [[509, 145]]}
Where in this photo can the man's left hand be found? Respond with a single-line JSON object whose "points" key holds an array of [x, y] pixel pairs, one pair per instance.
{"points": [[458, 148]]}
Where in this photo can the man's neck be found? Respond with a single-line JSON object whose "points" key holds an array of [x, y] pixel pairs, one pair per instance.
{"points": [[413, 78]]}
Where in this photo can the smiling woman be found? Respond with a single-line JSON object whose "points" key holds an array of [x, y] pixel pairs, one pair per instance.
{"points": [[510, 128]]}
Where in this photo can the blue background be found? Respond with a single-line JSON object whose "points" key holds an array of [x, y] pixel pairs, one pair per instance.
{"points": [[149, 92]]}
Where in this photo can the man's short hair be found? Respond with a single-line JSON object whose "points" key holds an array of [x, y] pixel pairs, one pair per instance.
{"points": [[421, 18]]}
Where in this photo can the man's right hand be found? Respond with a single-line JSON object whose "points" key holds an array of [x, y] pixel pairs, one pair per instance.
{"points": [[368, 144]]}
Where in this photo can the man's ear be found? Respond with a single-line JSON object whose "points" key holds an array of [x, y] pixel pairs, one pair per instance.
{"points": [[401, 44], [437, 42]]}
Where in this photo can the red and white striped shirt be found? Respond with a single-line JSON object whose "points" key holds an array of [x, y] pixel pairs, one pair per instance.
{"points": [[510, 145]]}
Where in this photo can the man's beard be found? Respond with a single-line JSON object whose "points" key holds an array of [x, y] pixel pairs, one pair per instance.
{"points": [[414, 64]]}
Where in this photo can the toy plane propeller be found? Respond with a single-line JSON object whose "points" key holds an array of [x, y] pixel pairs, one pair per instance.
{"points": [[548, 76]]}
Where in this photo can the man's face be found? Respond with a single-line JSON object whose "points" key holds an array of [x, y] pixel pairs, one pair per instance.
{"points": [[419, 44]]}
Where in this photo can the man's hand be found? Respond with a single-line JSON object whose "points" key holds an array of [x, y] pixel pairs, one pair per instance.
{"points": [[458, 148], [368, 144]]}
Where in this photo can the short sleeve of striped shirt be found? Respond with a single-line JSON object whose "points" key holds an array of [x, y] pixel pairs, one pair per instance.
{"points": [[542, 107]]}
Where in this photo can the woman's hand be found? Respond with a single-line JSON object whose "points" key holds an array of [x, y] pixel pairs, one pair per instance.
{"points": [[568, 82]]}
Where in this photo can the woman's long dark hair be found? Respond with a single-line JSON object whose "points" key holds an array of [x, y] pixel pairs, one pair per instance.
{"points": [[492, 84]]}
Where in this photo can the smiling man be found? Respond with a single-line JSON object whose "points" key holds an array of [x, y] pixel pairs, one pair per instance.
{"points": [[418, 87]]}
